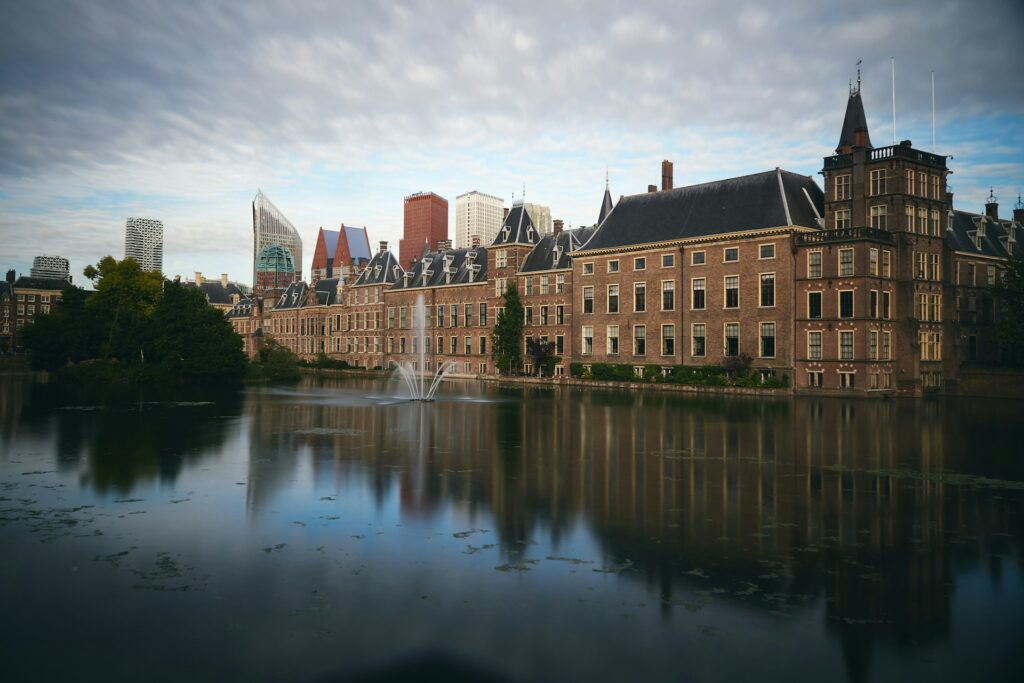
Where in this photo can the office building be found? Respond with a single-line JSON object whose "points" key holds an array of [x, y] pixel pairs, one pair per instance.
{"points": [[277, 247], [477, 219], [144, 242]]}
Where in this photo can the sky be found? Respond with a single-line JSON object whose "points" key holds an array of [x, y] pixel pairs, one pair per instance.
{"points": [[181, 110]]}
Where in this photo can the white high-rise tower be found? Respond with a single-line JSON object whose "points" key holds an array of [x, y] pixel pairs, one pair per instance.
{"points": [[478, 218], [144, 242]]}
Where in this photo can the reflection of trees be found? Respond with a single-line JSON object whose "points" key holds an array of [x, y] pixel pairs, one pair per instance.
{"points": [[117, 436], [779, 503]]}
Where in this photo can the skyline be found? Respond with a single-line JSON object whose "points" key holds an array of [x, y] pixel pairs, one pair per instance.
{"points": [[339, 113]]}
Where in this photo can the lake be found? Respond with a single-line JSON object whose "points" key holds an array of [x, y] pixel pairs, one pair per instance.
{"points": [[329, 531]]}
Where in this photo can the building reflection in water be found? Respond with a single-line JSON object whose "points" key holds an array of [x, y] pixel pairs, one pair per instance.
{"points": [[774, 505]]}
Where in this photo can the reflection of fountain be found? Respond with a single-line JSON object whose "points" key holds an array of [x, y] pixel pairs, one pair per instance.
{"points": [[418, 391]]}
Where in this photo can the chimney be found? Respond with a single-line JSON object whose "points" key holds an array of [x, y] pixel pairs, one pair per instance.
{"points": [[1018, 211], [199, 278], [11, 277], [666, 175], [992, 206], [383, 246], [504, 214], [475, 241], [224, 280], [652, 188], [558, 225], [444, 245]]}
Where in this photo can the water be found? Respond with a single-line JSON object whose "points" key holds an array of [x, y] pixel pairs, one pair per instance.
{"points": [[329, 531]]}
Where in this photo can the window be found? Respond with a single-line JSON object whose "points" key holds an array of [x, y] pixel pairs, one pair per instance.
{"points": [[846, 380], [529, 314], [910, 186], [588, 340], [909, 220], [559, 344], [814, 305], [588, 299], [766, 251], [528, 288], [668, 260], [559, 315], [873, 303], [814, 264], [767, 340], [613, 266], [842, 219], [814, 378], [846, 345], [845, 262], [543, 284], [886, 345], [991, 276], [455, 315], [970, 274], [922, 220], [668, 295], [878, 215], [468, 315], [933, 223], [469, 345], [559, 284], [501, 258], [499, 286], [732, 291], [872, 262], [613, 340], [698, 293], [732, 339], [814, 345], [731, 254], [454, 345], [922, 183], [483, 314], [544, 316], [878, 182], [668, 340], [873, 345], [697, 258], [639, 297], [639, 340], [935, 187], [401, 344], [846, 303], [588, 268], [613, 298], [640, 264], [885, 305], [767, 289], [842, 187], [483, 345], [698, 339]]}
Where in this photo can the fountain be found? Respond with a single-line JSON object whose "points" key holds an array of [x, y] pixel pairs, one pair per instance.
{"points": [[416, 382]]}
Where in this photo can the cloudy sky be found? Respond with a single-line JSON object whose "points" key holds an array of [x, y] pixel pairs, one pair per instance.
{"points": [[337, 110]]}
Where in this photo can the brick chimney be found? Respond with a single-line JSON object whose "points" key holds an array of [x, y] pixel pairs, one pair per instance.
{"points": [[666, 175], [992, 206], [11, 277], [224, 280], [652, 188], [504, 214], [1018, 210], [383, 246], [558, 226], [199, 278], [444, 245]]}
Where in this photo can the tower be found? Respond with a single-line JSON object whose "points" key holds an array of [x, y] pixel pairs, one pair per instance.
{"points": [[425, 220], [144, 242]]}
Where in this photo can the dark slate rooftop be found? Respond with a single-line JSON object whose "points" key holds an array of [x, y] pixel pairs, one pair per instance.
{"points": [[963, 231], [5, 290], [554, 252], [452, 267], [853, 121], [606, 205], [763, 200], [27, 282], [518, 228], [294, 296], [242, 309], [383, 269], [216, 293], [331, 241], [358, 243], [327, 291]]}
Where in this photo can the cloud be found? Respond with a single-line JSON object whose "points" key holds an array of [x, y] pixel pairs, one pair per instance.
{"points": [[338, 110]]}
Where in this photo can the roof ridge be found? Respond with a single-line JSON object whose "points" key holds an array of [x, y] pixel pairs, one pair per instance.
{"points": [[710, 182]]}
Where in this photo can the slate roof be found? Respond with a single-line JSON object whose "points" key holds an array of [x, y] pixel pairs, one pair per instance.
{"points": [[383, 269], [331, 241], [754, 202], [5, 290], [294, 296], [327, 291], [961, 234], [460, 262], [518, 228], [27, 282], [218, 294], [545, 257], [853, 121], [606, 206], [358, 244], [242, 309]]}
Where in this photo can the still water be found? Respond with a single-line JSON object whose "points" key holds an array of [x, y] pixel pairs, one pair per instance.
{"points": [[326, 531]]}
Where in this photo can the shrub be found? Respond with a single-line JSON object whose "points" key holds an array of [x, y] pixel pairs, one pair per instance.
{"points": [[576, 369], [652, 373]]}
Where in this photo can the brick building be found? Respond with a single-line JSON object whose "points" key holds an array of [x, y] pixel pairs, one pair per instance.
{"points": [[425, 224], [339, 252]]}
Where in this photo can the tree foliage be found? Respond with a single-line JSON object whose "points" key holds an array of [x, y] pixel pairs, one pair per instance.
{"points": [[137, 321], [1009, 294], [508, 333], [542, 353]]}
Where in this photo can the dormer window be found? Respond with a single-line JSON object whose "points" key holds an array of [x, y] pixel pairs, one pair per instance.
{"points": [[505, 233]]}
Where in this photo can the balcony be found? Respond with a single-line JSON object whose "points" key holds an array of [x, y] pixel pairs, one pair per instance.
{"points": [[890, 152], [845, 235]]}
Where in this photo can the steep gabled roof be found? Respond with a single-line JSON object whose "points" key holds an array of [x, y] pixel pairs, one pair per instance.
{"points": [[543, 256], [294, 296], [754, 202], [854, 121], [961, 235], [330, 241], [358, 243], [429, 271], [518, 228], [606, 205], [381, 270], [327, 291]]}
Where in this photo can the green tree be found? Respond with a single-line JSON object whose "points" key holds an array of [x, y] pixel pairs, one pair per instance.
{"points": [[542, 353], [508, 333], [124, 300], [67, 335], [1009, 295], [194, 340]]}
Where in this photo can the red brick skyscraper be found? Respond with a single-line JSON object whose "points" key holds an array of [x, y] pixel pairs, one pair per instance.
{"points": [[426, 219]]}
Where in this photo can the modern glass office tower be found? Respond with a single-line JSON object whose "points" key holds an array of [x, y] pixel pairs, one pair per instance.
{"points": [[144, 242], [478, 218], [270, 227], [51, 268]]}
